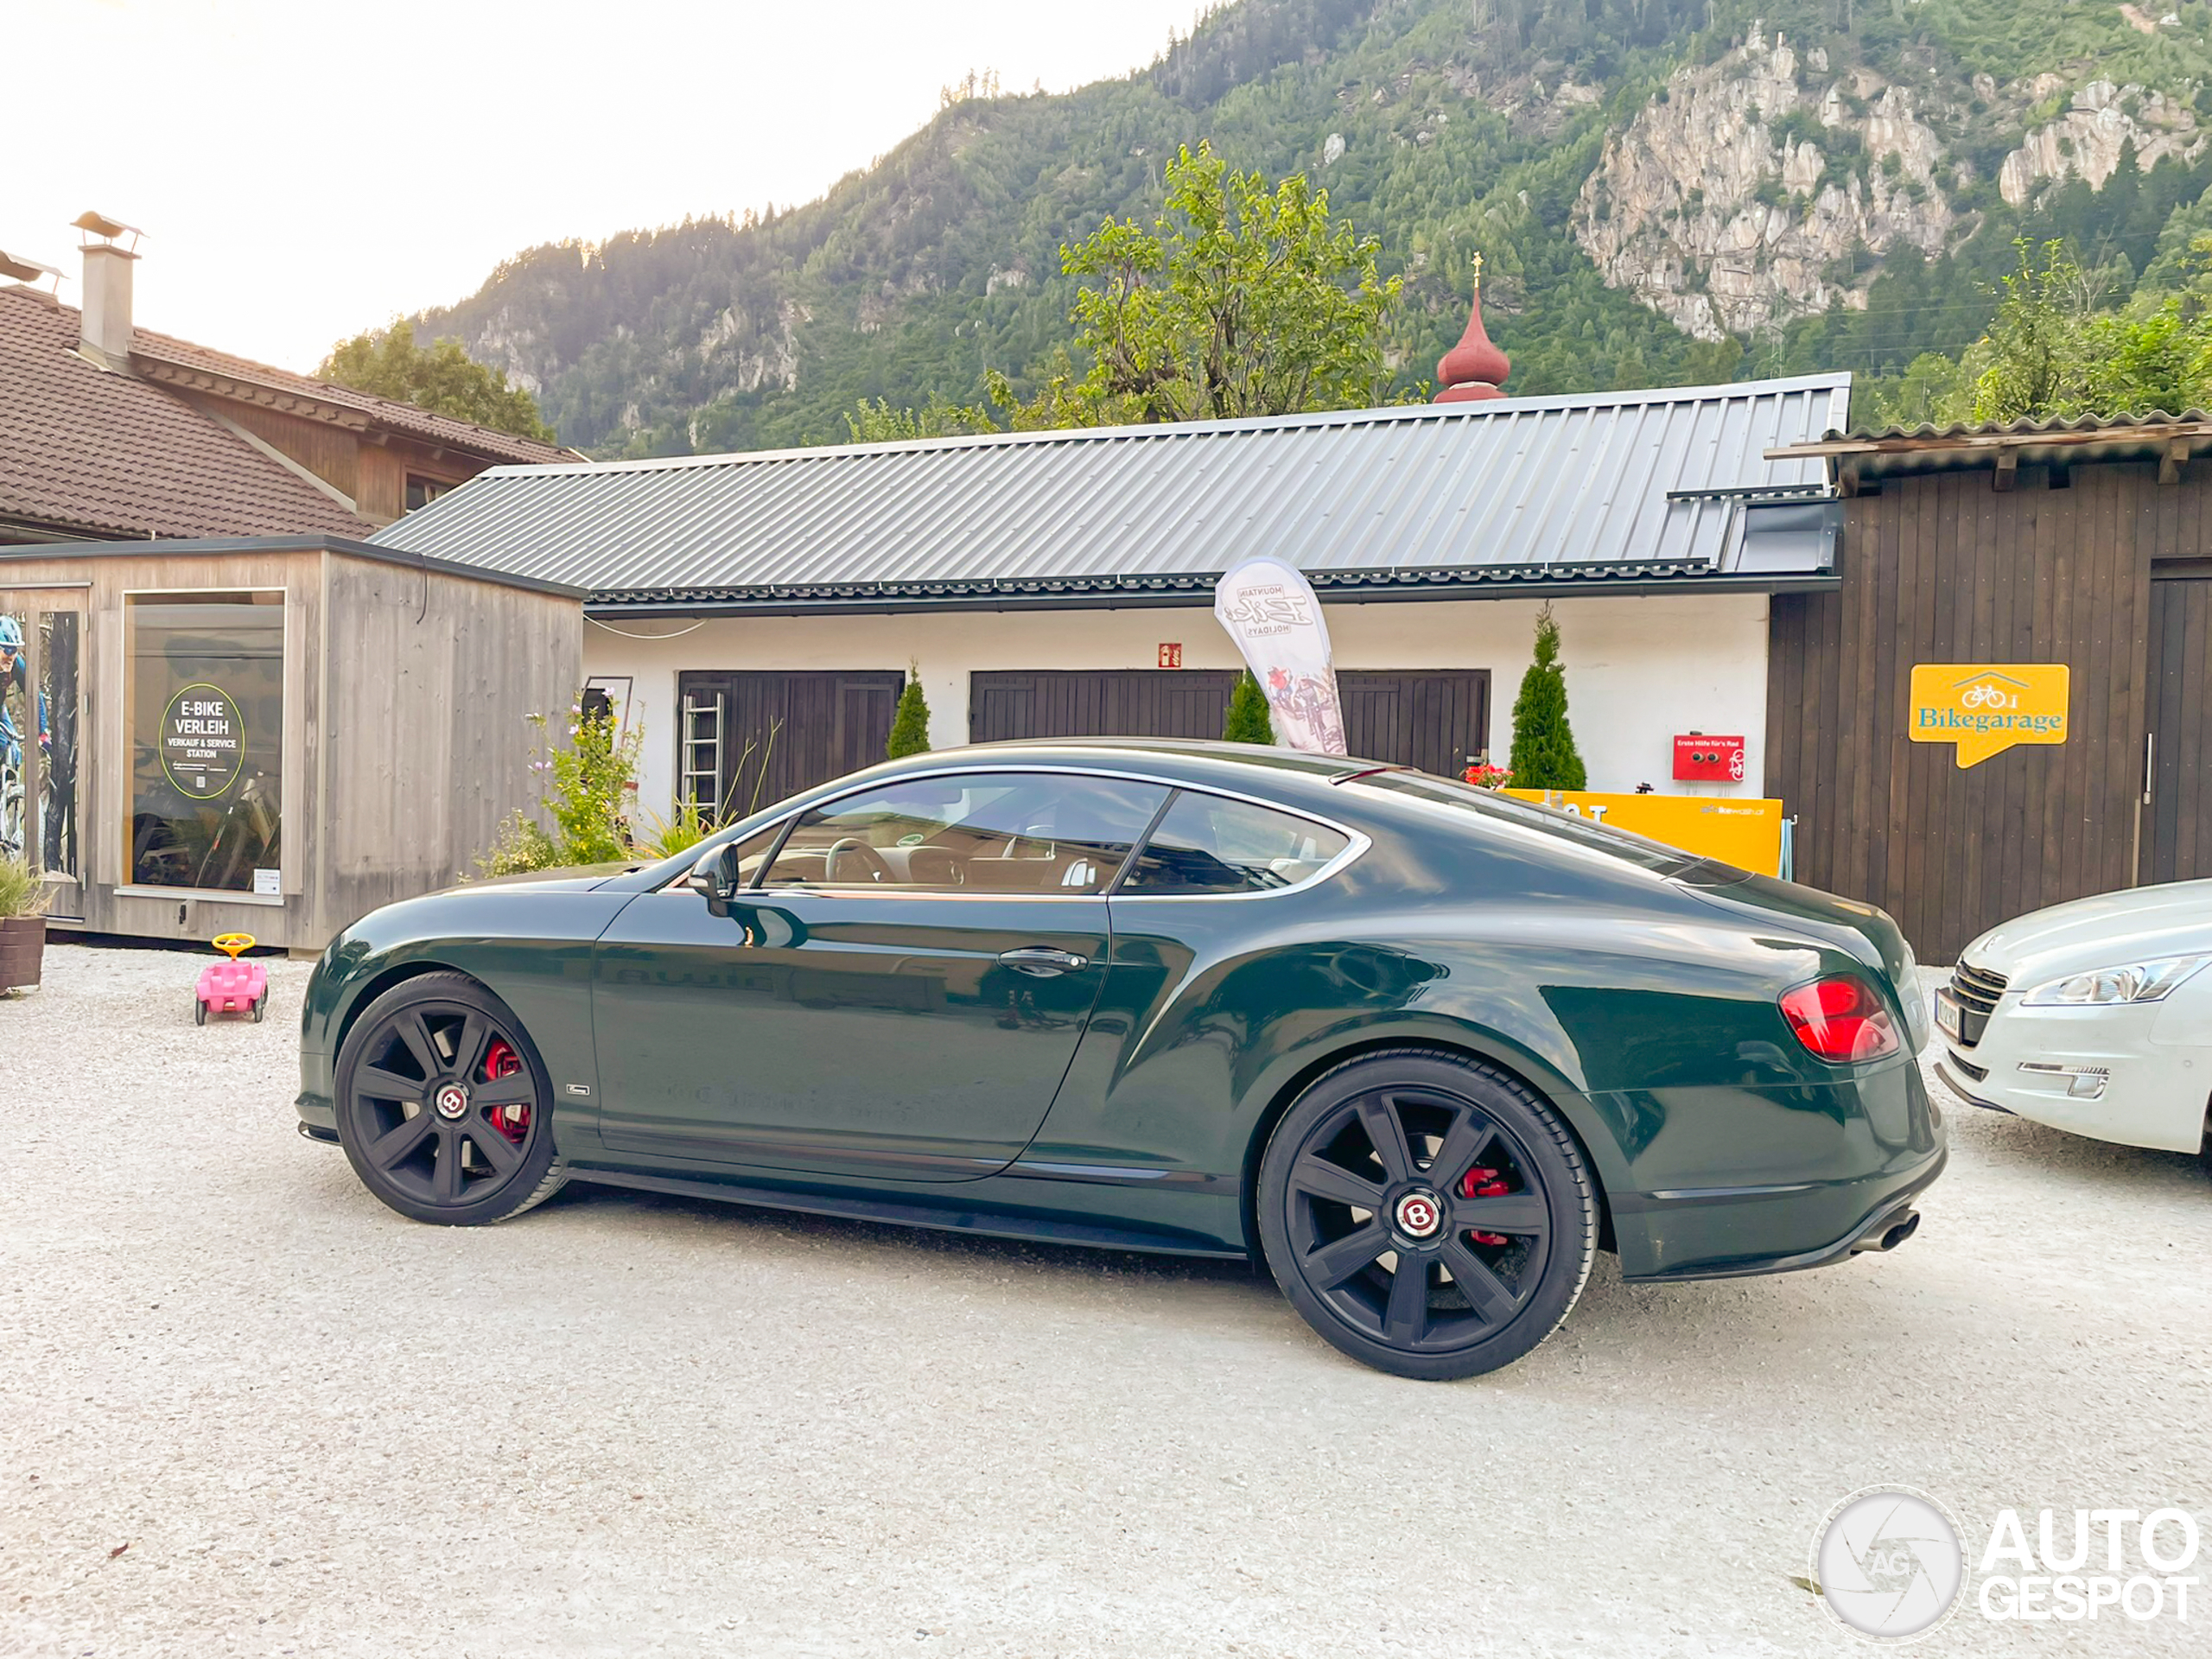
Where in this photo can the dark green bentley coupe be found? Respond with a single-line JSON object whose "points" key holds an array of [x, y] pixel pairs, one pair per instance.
{"points": [[1422, 1049]]}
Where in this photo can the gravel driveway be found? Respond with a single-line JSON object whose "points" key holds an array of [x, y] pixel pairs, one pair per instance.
{"points": [[244, 1409]]}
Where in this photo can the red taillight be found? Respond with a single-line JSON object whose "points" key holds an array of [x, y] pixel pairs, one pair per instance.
{"points": [[1840, 1019]]}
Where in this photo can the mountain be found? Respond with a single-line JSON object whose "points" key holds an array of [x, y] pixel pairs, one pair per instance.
{"points": [[1663, 190]]}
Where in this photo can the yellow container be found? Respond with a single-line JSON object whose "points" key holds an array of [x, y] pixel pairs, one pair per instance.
{"points": [[1746, 833]]}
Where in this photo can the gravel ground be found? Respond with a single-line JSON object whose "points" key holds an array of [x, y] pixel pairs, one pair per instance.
{"points": [[244, 1409]]}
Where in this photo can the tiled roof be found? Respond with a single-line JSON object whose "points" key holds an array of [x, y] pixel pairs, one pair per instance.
{"points": [[156, 353], [2169, 440], [85, 450]]}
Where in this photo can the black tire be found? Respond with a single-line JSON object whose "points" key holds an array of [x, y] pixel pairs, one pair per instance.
{"points": [[260, 1006], [1375, 1166], [429, 1153], [199, 1012]]}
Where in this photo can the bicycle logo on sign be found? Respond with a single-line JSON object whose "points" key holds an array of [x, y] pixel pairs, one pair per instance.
{"points": [[1986, 696]]}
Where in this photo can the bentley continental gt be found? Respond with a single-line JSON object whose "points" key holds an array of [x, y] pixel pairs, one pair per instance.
{"points": [[1420, 1049]]}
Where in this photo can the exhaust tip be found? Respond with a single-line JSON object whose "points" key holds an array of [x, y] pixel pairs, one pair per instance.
{"points": [[1890, 1236]]}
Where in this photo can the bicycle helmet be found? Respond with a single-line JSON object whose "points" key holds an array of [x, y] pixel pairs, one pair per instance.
{"points": [[11, 633]]}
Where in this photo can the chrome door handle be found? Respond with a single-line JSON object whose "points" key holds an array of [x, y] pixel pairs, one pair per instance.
{"points": [[1042, 960]]}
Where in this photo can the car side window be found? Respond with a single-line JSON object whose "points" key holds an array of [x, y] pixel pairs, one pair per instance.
{"points": [[988, 832], [1210, 844]]}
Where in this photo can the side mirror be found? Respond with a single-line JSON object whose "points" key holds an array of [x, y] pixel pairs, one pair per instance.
{"points": [[714, 877]]}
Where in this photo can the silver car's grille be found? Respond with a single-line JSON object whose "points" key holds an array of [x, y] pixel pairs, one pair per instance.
{"points": [[1977, 990]]}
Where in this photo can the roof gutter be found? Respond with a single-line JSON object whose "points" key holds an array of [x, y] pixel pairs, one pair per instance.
{"points": [[677, 604]]}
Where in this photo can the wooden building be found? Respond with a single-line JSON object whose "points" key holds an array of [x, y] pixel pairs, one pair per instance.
{"points": [[108, 429], [2088, 545], [271, 736]]}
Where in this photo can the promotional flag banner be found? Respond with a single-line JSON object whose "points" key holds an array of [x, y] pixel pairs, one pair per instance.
{"points": [[1271, 612]]}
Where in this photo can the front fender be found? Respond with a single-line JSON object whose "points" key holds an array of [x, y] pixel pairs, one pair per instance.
{"points": [[530, 947]]}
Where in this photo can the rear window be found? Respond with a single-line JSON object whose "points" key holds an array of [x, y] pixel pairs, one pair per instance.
{"points": [[1207, 843], [1654, 856]]}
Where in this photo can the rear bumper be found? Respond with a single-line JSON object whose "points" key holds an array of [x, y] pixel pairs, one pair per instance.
{"points": [[1891, 1205], [1791, 1179]]}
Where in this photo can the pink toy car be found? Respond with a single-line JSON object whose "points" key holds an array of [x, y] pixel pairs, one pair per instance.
{"points": [[232, 986]]}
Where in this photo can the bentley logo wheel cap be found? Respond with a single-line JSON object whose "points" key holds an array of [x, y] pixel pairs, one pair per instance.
{"points": [[1418, 1215], [452, 1100]]}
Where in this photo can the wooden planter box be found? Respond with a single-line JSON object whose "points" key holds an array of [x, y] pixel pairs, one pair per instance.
{"points": [[22, 951]]}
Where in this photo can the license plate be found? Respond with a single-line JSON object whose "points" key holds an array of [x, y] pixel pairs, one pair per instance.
{"points": [[1947, 1016]]}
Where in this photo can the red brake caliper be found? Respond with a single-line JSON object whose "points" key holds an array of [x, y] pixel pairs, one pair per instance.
{"points": [[1480, 1183], [501, 1061]]}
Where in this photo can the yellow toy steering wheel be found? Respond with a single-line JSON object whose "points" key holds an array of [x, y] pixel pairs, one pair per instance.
{"points": [[233, 944]]}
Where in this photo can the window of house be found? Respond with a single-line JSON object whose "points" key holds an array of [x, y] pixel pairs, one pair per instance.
{"points": [[204, 701], [422, 491], [989, 832], [1210, 844]]}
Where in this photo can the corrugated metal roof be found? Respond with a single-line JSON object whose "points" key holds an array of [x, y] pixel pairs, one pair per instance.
{"points": [[2055, 441], [1644, 484]]}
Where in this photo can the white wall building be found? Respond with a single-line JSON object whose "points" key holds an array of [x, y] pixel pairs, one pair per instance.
{"points": [[758, 613]]}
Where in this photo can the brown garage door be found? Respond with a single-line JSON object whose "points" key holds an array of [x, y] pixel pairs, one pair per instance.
{"points": [[2177, 818], [1435, 719], [753, 738]]}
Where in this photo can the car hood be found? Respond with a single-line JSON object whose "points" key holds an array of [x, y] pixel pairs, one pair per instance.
{"points": [[2104, 931], [577, 878]]}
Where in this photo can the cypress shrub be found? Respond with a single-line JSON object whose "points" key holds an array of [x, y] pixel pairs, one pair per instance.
{"points": [[1247, 721], [909, 727], [1544, 755]]}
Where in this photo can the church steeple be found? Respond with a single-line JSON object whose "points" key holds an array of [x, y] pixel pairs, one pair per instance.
{"points": [[1474, 369]]}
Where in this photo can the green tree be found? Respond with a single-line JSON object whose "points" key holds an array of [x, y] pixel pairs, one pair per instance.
{"points": [[443, 380], [1240, 298], [879, 422], [2034, 360], [1544, 756], [1248, 719], [910, 727]]}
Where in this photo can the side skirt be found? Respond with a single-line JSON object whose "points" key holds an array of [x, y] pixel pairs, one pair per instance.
{"points": [[990, 1224]]}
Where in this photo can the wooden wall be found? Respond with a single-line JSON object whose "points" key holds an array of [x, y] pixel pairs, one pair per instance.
{"points": [[1945, 569], [431, 680], [405, 744]]}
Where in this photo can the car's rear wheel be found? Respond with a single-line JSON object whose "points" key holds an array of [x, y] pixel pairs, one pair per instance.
{"points": [[444, 1107], [1428, 1215]]}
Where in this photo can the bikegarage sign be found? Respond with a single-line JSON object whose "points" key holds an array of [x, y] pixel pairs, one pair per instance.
{"points": [[203, 741], [1986, 708]]}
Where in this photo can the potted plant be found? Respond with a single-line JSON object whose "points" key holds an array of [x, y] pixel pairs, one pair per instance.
{"points": [[22, 924]]}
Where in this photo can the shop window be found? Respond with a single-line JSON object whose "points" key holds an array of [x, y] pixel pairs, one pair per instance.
{"points": [[42, 831], [205, 701]]}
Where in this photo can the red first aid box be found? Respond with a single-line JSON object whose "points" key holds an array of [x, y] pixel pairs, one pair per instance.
{"points": [[1700, 757]]}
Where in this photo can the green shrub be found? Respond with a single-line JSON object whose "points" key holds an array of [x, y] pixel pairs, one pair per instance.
{"points": [[523, 845], [21, 893], [690, 825], [1247, 721], [910, 727], [1544, 755]]}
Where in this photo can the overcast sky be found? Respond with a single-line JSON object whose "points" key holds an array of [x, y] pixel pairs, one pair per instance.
{"points": [[305, 168]]}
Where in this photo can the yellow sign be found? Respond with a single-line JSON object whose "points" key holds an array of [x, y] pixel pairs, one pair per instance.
{"points": [[1986, 708], [1745, 833]]}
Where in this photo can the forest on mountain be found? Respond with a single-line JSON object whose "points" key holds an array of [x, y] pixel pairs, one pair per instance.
{"points": [[1665, 192]]}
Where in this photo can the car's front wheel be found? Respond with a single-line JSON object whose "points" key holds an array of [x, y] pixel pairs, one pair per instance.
{"points": [[1428, 1215], [444, 1107]]}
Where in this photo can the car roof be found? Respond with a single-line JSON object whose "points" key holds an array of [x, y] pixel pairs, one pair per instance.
{"points": [[1188, 757]]}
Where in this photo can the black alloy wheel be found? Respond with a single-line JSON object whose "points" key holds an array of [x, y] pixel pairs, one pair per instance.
{"points": [[444, 1107], [1427, 1214]]}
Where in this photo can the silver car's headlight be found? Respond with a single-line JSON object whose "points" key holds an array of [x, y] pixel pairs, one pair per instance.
{"points": [[2136, 981]]}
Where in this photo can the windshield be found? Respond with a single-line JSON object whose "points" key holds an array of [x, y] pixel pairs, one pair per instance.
{"points": [[1653, 855]]}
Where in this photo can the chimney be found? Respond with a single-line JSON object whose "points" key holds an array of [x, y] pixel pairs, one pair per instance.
{"points": [[104, 335]]}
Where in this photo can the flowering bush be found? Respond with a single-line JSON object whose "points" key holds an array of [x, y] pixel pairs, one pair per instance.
{"points": [[1482, 775], [587, 783]]}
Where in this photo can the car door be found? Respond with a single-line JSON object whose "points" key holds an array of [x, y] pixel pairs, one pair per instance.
{"points": [[894, 989]]}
